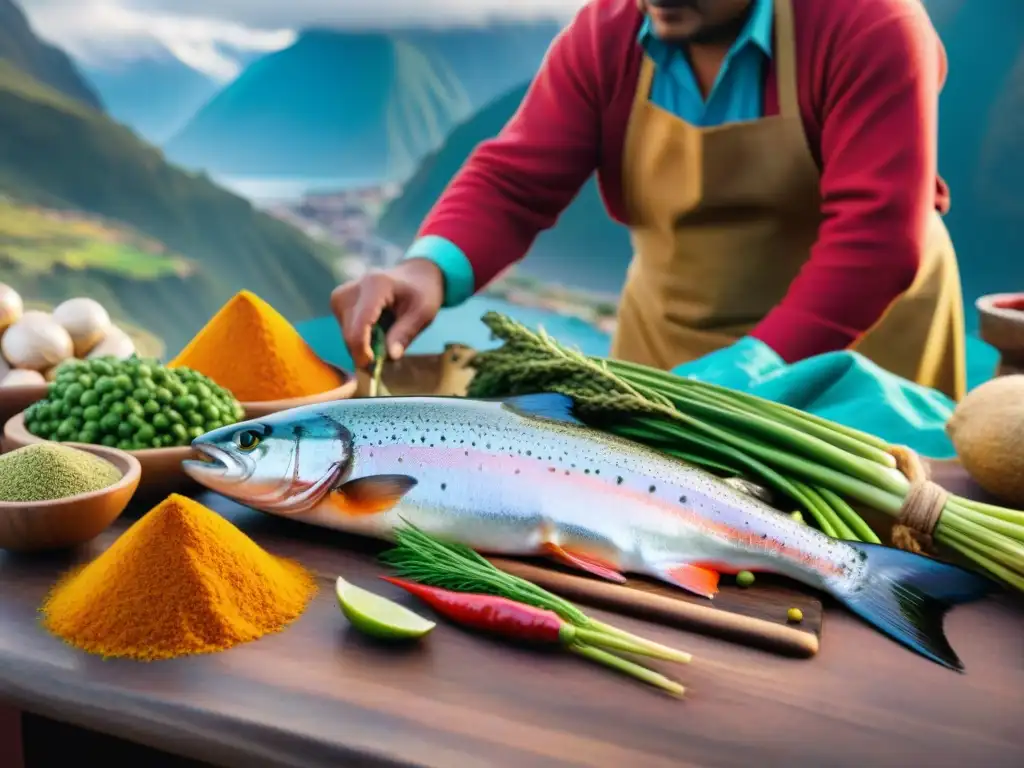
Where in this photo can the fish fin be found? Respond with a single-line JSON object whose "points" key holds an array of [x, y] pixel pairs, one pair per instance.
{"points": [[693, 578], [545, 405], [371, 495], [906, 596], [584, 562]]}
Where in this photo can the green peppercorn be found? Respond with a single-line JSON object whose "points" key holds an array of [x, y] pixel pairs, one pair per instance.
{"points": [[744, 579]]}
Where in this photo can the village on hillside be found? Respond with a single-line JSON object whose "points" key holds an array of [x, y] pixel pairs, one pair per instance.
{"points": [[346, 219]]}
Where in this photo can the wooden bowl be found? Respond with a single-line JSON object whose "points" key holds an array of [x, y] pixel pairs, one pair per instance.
{"points": [[16, 399], [1001, 324], [256, 410], [160, 467], [36, 526]]}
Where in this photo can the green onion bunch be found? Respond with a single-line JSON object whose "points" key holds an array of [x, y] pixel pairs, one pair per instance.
{"points": [[823, 467]]}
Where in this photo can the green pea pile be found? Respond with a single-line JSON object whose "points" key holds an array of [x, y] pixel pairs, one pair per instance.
{"points": [[130, 404]]}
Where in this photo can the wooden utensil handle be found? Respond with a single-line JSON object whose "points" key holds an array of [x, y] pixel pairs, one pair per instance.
{"points": [[746, 630]]}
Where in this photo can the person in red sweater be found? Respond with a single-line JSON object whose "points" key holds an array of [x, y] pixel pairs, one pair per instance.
{"points": [[774, 160]]}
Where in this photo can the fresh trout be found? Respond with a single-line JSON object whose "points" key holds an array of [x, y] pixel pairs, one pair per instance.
{"points": [[523, 477]]}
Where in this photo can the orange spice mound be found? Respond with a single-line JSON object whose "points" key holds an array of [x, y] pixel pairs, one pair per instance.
{"points": [[252, 351], [182, 580]]}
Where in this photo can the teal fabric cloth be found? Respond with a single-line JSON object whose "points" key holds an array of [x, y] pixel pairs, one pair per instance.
{"points": [[841, 386], [737, 95]]}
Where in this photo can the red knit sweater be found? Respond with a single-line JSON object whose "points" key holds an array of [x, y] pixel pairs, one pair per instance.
{"points": [[869, 75]]}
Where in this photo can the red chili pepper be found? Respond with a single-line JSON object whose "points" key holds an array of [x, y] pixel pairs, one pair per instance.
{"points": [[497, 615]]}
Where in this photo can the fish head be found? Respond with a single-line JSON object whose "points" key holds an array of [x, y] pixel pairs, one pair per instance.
{"points": [[283, 463]]}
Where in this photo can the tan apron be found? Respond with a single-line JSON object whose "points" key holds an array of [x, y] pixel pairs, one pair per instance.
{"points": [[722, 220]]}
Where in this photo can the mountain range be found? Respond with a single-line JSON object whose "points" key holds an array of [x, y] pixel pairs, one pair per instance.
{"points": [[359, 105], [155, 95], [59, 154], [584, 235], [20, 47]]}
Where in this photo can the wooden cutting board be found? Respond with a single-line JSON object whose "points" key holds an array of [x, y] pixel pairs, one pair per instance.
{"points": [[756, 616]]}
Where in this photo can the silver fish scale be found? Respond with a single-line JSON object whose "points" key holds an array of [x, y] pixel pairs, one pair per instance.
{"points": [[502, 482]]}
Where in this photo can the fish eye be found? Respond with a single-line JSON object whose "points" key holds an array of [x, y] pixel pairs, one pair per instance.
{"points": [[247, 440]]}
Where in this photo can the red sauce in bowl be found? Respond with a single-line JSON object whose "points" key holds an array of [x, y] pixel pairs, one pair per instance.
{"points": [[1015, 303]]}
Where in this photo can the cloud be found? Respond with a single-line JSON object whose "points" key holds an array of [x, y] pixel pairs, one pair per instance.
{"points": [[205, 34], [351, 13], [104, 33]]}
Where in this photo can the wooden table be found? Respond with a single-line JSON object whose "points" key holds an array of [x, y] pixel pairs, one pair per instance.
{"points": [[320, 695]]}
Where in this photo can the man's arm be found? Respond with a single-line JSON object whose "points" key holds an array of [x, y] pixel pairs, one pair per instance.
{"points": [[878, 183], [516, 185]]}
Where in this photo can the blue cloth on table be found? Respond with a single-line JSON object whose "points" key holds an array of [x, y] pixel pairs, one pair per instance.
{"points": [[844, 387]]}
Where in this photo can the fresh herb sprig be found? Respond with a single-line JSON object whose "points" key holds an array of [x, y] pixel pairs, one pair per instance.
{"points": [[418, 556], [379, 347]]}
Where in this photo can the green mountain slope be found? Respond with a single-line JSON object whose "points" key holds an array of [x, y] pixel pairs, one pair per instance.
{"points": [[361, 106], [584, 234], [57, 153], [20, 47], [50, 255]]}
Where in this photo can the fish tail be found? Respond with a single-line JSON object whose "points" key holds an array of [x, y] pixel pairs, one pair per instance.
{"points": [[906, 596]]}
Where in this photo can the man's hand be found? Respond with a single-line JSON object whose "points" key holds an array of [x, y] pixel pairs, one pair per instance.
{"points": [[413, 291]]}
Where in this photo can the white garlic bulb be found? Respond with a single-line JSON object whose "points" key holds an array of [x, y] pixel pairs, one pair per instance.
{"points": [[116, 343], [11, 306], [36, 343], [22, 377], [85, 320]]}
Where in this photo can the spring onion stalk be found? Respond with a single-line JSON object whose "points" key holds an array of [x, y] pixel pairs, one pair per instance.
{"points": [[861, 530], [836, 523], [823, 467], [676, 388], [627, 667], [618, 366], [968, 549]]}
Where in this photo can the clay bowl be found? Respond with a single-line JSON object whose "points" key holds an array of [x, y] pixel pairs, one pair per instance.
{"points": [[1001, 324], [16, 399], [256, 410], [37, 526], [160, 467], [446, 374]]}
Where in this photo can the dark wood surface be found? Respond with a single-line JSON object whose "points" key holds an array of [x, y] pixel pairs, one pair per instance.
{"points": [[11, 754], [755, 616], [320, 695]]}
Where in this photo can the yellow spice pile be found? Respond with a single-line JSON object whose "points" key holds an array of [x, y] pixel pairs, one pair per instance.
{"points": [[182, 580], [252, 351]]}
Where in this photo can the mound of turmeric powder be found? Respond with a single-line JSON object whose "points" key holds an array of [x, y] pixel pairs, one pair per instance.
{"points": [[181, 580], [252, 351]]}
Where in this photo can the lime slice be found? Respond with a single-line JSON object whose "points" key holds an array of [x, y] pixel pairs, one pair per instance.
{"points": [[377, 616]]}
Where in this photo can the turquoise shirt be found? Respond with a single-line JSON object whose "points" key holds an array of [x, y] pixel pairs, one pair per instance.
{"points": [[737, 95]]}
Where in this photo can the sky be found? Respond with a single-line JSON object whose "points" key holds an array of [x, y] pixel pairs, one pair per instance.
{"points": [[207, 35]]}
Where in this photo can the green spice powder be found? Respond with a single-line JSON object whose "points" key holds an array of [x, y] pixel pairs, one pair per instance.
{"points": [[46, 471]]}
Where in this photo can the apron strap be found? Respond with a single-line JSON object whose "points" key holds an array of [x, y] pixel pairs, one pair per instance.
{"points": [[785, 59], [645, 81]]}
